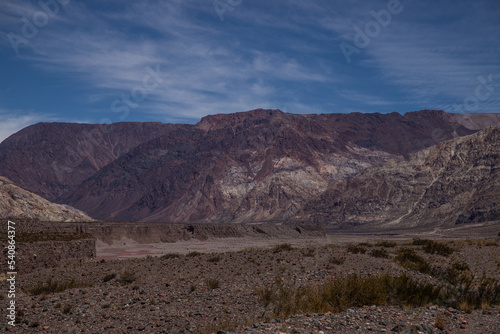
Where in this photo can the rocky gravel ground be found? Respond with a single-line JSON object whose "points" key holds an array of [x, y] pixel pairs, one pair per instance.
{"points": [[217, 292]]}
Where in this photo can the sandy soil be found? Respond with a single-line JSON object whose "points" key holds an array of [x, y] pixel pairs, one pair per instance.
{"points": [[128, 249]]}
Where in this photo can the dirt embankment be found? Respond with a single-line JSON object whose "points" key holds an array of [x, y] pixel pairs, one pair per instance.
{"points": [[46, 254], [147, 233]]}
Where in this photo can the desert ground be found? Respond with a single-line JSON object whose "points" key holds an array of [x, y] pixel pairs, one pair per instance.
{"points": [[271, 285]]}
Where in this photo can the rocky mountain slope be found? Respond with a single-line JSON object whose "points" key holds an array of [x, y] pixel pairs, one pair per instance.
{"points": [[51, 158], [256, 166], [16, 202], [262, 165], [448, 185]]}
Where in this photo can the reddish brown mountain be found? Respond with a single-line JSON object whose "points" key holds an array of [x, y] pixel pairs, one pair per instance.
{"points": [[262, 165], [51, 158]]}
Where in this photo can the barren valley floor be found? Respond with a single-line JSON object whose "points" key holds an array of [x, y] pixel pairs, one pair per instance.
{"points": [[331, 284]]}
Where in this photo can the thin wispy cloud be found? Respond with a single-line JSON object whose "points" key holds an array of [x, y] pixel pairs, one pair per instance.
{"points": [[263, 54]]}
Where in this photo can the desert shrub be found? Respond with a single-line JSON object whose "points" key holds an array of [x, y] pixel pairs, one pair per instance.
{"points": [[309, 252], [127, 278], [337, 260], [386, 244], [67, 309], [474, 293], [212, 283], [282, 247], [289, 297], [433, 247], [380, 252], [52, 286], [193, 254], [109, 277], [405, 290], [356, 249], [336, 295], [216, 258], [409, 259], [170, 256], [460, 266], [420, 242]]}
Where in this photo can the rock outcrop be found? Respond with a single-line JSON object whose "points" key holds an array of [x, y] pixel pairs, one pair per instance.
{"points": [[454, 183], [16, 202]]}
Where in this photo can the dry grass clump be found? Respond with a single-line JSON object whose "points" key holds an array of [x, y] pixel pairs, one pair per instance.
{"points": [[170, 256], [127, 278], [337, 260], [409, 259], [380, 252], [52, 286], [214, 259], [193, 254], [109, 277], [212, 283], [282, 248], [386, 244], [433, 247], [289, 297], [356, 249]]}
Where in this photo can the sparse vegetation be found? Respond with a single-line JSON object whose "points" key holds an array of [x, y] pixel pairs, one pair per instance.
{"points": [[337, 260], [214, 259], [212, 283], [386, 244], [379, 252], [282, 248], [51, 286], [289, 297], [170, 256], [109, 277], [126, 278], [409, 259], [356, 249], [433, 247], [67, 309], [309, 252], [193, 254]]}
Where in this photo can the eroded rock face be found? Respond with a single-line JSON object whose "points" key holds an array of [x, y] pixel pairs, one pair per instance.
{"points": [[256, 166], [51, 158], [16, 202], [454, 183]]}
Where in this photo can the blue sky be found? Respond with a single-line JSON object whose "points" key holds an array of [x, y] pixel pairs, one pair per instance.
{"points": [[177, 61]]}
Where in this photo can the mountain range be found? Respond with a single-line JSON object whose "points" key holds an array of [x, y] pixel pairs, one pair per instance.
{"points": [[264, 166]]}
